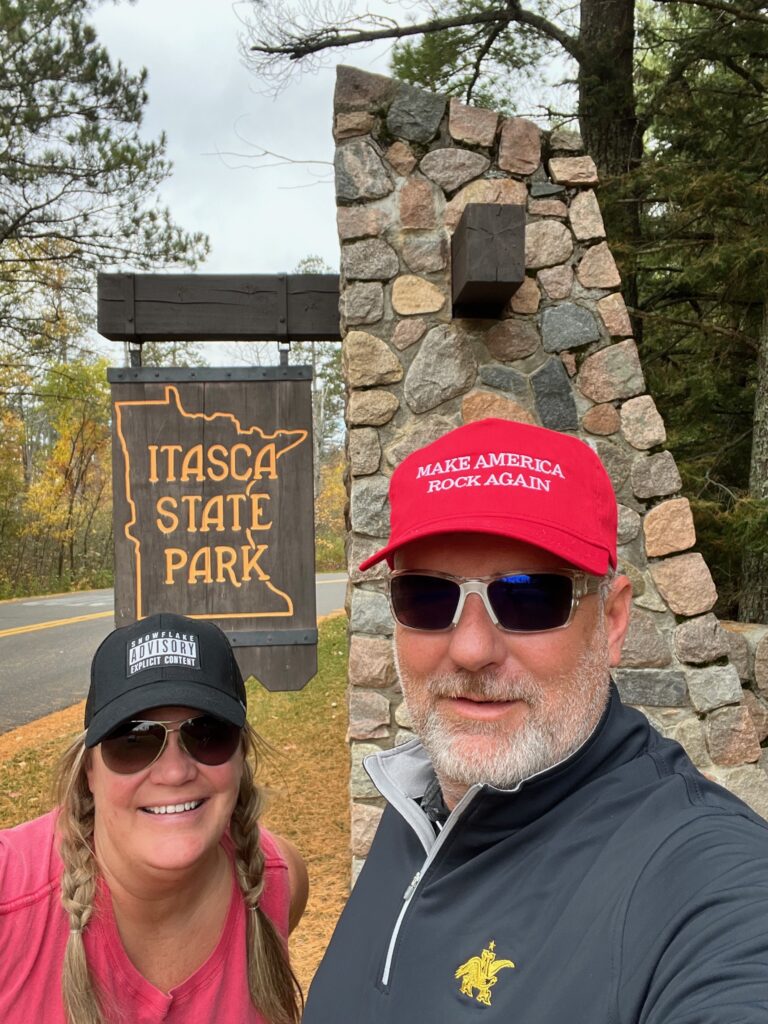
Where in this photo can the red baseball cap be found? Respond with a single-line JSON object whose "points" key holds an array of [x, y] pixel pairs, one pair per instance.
{"points": [[508, 479]]}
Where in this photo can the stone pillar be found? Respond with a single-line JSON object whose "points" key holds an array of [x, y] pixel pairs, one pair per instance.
{"points": [[562, 355]]}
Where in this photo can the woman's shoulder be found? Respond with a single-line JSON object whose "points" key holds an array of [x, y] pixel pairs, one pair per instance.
{"points": [[29, 862], [280, 853]]}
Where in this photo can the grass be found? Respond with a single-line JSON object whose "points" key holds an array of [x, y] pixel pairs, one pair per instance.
{"points": [[306, 776]]}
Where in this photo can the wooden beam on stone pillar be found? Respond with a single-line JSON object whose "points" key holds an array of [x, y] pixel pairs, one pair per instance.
{"points": [[488, 259]]}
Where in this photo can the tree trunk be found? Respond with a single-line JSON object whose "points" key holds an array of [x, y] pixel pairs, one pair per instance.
{"points": [[753, 602], [609, 124]]}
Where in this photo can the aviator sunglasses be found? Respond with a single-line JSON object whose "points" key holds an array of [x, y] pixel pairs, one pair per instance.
{"points": [[137, 744], [517, 602]]}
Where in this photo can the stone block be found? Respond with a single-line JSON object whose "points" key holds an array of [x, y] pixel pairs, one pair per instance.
{"points": [[403, 736], [359, 222], [685, 583], [554, 397], [370, 613], [369, 505], [370, 259], [415, 114], [519, 146], [526, 299], [738, 649], [573, 170], [668, 527], [641, 423], [368, 361], [371, 408], [611, 373], [412, 294], [547, 243], [360, 785], [371, 662], [368, 715], [417, 433], [760, 660], [568, 359], [473, 125], [400, 157], [628, 525], [713, 687], [689, 733], [360, 90], [408, 332], [365, 820], [557, 282], [568, 326], [425, 254], [417, 205], [758, 709], [452, 168], [480, 405], [565, 139], [585, 217], [598, 269], [547, 208], [616, 463], [731, 736], [613, 311], [360, 173], [655, 476], [750, 784], [493, 190], [512, 339], [601, 419], [358, 550], [403, 716], [645, 646], [541, 189], [363, 302], [656, 687], [364, 451], [504, 378], [443, 368], [348, 125], [701, 640]]}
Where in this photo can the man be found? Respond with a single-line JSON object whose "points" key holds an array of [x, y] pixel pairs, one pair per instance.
{"points": [[546, 856]]}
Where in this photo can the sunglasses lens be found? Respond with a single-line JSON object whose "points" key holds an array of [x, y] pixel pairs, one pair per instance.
{"points": [[132, 746], [424, 602], [210, 740], [531, 603]]}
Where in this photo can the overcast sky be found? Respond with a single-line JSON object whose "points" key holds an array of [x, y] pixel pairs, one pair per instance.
{"points": [[259, 220]]}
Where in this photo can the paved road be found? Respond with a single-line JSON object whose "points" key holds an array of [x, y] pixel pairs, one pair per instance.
{"points": [[46, 646]]}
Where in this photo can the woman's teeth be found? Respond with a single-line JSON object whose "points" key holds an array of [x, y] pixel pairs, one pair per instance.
{"points": [[190, 805]]}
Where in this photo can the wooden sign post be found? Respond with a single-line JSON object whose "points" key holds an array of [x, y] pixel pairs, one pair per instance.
{"points": [[214, 510]]}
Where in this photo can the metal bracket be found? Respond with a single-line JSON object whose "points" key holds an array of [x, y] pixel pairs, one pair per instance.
{"points": [[273, 638]]}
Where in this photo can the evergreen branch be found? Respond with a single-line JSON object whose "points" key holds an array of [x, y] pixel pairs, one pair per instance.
{"points": [[482, 53], [696, 325], [724, 8]]}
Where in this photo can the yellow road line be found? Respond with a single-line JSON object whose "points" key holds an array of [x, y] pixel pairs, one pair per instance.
{"points": [[56, 622]]}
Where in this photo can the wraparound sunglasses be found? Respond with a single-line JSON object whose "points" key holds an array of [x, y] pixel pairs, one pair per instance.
{"points": [[137, 744], [517, 602]]}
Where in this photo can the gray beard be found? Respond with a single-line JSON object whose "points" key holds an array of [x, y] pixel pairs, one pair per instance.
{"points": [[542, 741]]}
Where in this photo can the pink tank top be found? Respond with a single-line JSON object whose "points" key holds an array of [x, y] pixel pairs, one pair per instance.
{"points": [[34, 931]]}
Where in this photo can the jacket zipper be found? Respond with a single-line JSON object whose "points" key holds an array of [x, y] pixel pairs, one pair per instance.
{"points": [[410, 892]]}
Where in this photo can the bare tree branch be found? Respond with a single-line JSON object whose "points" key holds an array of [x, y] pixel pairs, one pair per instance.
{"points": [[720, 5]]}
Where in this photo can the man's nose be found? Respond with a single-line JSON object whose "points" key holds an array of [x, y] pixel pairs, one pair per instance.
{"points": [[476, 643]]}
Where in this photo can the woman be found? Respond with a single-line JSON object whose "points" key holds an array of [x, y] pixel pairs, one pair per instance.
{"points": [[150, 894]]}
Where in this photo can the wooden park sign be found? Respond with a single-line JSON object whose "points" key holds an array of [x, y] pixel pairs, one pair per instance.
{"points": [[214, 505]]}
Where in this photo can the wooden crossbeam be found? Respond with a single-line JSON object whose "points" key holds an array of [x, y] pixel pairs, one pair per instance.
{"points": [[488, 258], [218, 307]]}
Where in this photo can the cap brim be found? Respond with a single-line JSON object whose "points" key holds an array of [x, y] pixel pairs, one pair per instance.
{"points": [[591, 558], [160, 694]]}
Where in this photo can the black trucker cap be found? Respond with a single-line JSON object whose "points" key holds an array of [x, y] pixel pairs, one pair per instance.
{"points": [[163, 659]]}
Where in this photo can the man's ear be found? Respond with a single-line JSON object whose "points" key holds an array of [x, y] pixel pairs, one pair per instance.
{"points": [[618, 607]]}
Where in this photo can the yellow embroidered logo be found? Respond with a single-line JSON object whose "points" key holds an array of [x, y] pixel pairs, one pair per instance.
{"points": [[479, 972]]}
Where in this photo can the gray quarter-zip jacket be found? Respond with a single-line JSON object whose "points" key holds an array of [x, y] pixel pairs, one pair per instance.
{"points": [[619, 887]]}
